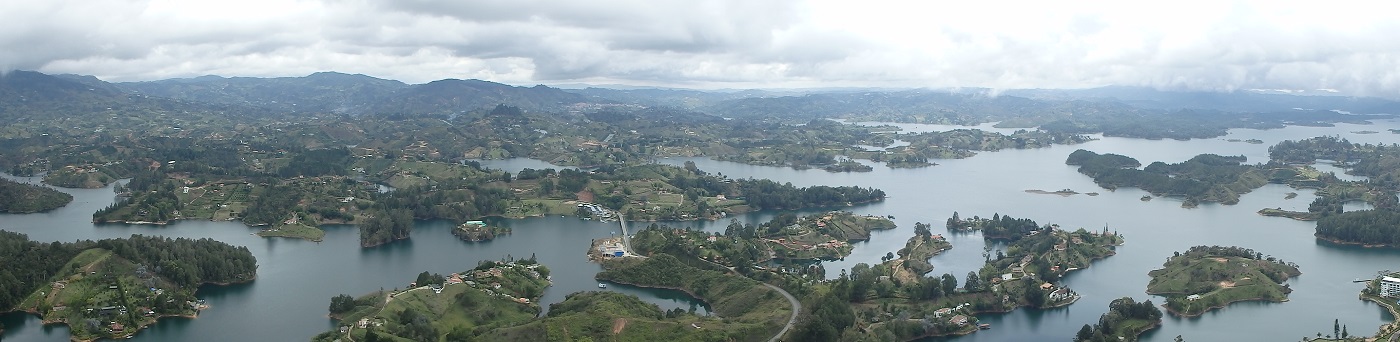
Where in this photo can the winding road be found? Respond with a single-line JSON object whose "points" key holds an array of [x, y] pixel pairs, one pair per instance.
{"points": [[796, 308]]}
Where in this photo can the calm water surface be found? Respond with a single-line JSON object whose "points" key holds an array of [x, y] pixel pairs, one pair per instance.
{"points": [[297, 278]]}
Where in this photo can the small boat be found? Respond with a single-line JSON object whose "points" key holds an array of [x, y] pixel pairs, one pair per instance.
{"points": [[984, 326], [602, 285]]}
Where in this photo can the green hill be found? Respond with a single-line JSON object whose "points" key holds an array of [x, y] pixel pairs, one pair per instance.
{"points": [[1211, 277]]}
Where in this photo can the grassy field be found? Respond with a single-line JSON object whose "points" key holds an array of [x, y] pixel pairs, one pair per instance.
{"points": [[461, 310], [750, 311], [1218, 281], [298, 231]]}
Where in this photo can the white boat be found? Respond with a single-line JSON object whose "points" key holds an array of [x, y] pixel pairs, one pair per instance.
{"points": [[602, 285]]}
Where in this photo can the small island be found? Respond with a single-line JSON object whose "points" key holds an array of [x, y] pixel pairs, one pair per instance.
{"points": [[1062, 192], [477, 231], [20, 198], [848, 165], [1125, 320], [1205, 278], [113, 288]]}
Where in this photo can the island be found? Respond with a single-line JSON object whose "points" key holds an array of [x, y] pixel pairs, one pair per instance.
{"points": [[477, 231], [113, 288], [1062, 192], [20, 198], [1206, 278], [1125, 320], [1203, 178]]}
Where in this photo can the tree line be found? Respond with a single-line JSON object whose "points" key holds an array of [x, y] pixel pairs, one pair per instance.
{"points": [[186, 262], [16, 197]]}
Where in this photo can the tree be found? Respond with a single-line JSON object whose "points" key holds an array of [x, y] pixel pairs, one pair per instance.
{"points": [[972, 283], [1084, 334], [1336, 327], [950, 283], [342, 303]]}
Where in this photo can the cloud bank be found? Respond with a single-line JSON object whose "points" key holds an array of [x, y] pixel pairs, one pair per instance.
{"points": [[1197, 45]]}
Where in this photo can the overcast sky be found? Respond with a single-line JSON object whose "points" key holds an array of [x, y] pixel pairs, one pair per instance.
{"points": [[1204, 45]]}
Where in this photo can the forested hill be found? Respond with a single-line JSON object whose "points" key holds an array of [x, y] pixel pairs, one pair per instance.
{"points": [[331, 92], [18, 197], [27, 96], [29, 265], [325, 92], [1203, 178]]}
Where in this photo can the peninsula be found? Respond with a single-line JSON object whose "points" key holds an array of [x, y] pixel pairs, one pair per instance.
{"points": [[113, 288], [20, 198]]}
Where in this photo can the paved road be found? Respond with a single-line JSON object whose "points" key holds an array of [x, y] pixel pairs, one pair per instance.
{"points": [[626, 240], [796, 308]]}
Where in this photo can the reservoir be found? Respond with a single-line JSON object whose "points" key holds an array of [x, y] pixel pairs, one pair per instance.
{"points": [[288, 301]]}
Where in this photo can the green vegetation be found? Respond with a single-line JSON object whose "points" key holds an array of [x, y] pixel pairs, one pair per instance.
{"points": [[612, 316], [1374, 227], [786, 237], [1211, 277], [475, 231], [750, 311], [458, 307], [1124, 321], [1203, 178], [20, 198], [916, 252], [113, 288]]}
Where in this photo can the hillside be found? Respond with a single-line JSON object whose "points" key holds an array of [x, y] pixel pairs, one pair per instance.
{"points": [[1207, 278], [22, 198], [1203, 178]]}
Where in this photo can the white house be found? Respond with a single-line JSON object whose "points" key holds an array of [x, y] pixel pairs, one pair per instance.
{"points": [[1390, 286]]}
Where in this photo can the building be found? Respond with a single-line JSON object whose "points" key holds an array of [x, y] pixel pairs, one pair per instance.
{"points": [[1390, 287]]}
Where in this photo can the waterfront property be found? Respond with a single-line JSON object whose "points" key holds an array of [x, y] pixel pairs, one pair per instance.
{"points": [[1390, 286]]}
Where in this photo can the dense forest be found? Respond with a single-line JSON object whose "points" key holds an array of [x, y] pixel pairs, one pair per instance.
{"points": [[188, 263], [19, 198], [385, 225], [767, 194], [1204, 178], [1366, 227]]}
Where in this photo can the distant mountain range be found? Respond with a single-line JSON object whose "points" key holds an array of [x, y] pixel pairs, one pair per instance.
{"points": [[23, 93]]}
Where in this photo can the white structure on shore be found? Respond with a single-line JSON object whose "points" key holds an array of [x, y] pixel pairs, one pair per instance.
{"points": [[1390, 287]]}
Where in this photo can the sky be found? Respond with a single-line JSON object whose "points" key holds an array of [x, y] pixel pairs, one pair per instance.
{"points": [[1219, 45]]}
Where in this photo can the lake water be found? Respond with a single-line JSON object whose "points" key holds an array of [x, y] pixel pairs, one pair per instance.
{"points": [[297, 278]]}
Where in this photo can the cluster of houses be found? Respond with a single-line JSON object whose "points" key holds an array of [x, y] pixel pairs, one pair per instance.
{"points": [[597, 211], [800, 246]]}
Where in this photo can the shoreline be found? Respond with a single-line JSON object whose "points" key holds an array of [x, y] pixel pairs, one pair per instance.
{"points": [[1349, 243], [1213, 307]]}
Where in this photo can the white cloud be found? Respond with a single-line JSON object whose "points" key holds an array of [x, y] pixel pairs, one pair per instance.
{"points": [[1210, 45]]}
